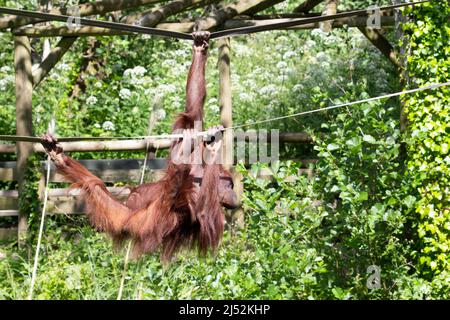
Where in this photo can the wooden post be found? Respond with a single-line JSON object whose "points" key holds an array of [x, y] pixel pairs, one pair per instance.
{"points": [[226, 115], [24, 124], [330, 9]]}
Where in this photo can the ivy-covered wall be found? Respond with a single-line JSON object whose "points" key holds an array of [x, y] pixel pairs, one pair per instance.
{"points": [[429, 132]]}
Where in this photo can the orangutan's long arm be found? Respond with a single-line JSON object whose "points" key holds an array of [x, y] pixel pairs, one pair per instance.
{"points": [[195, 86], [105, 212]]}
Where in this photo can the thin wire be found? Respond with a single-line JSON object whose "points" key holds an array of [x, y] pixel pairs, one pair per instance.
{"points": [[396, 94], [41, 226], [95, 23], [184, 36], [205, 133], [303, 21]]}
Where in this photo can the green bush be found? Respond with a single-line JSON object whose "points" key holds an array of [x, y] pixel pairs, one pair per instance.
{"points": [[429, 134]]}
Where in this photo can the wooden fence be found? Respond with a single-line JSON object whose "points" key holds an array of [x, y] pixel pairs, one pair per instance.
{"points": [[111, 171]]}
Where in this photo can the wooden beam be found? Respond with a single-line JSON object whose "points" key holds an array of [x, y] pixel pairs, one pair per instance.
{"points": [[307, 5], [231, 10], [7, 234], [87, 9], [24, 121], [64, 31], [386, 21], [98, 146], [382, 44], [137, 145], [120, 145], [52, 59], [263, 5], [228, 11], [279, 16], [152, 17]]}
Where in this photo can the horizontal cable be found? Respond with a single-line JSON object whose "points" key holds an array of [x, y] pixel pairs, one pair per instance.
{"points": [[396, 94], [205, 133], [303, 21], [97, 23], [214, 35]]}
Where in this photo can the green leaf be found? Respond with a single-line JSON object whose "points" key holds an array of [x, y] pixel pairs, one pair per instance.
{"points": [[332, 147], [409, 201], [369, 139], [362, 196]]}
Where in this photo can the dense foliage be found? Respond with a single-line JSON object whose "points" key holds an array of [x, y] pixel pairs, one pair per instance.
{"points": [[305, 237], [429, 134]]}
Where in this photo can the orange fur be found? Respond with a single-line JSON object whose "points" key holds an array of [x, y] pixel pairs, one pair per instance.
{"points": [[173, 213]]}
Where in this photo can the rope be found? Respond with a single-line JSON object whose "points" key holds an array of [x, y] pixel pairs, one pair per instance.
{"points": [[124, 272], [184, 36], [205, 133], [41, 226], [396, 94], [95, 23], [303, 21]]}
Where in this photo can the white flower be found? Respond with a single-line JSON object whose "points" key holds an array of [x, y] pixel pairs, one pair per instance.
{"points": [[63, 66], [91, 100], [135, 75], [160, 114], [180, 53], [166, 88], [125, 93], [297, 87], [240, 50], [135, 110], [268, 91], [281, 65], [108, 126], [139, 71], [97, 125], [214, 108], [5, 69], [55, 76], [212, 101], [289, 54], [245, 96], [169, 63], [310, 43], [3, 84], [319, 33], [235, 78], [322, 57], [98, 84]]}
